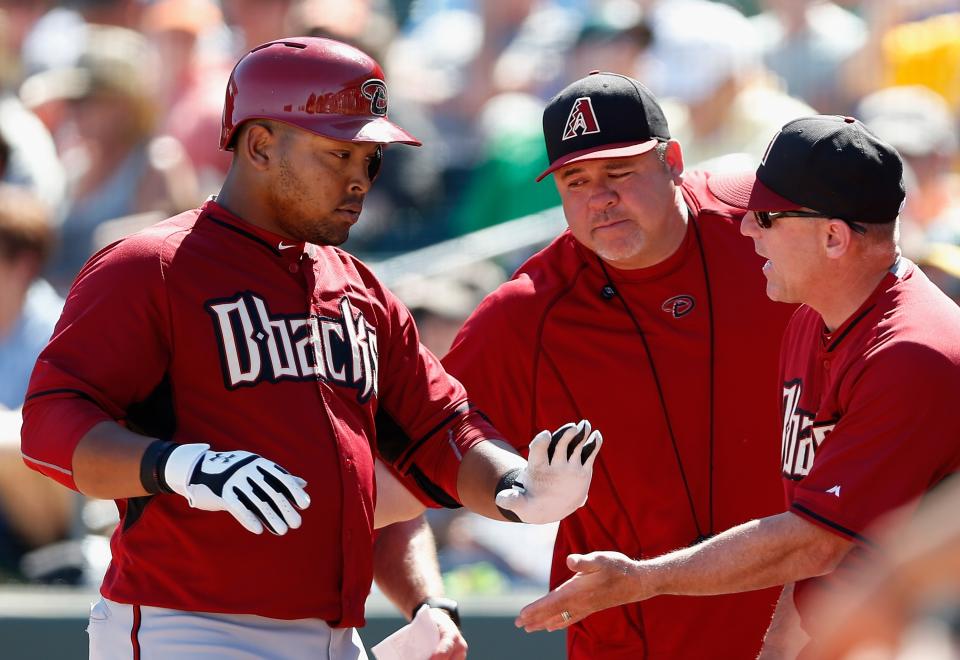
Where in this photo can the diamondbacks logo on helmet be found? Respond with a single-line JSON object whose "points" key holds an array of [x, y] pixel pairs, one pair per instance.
{"points": [[376, 90], [582, 120], [679, 306]]}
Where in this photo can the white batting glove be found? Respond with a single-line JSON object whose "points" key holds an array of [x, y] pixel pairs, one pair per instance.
{"points": [[557, 477], [257, 492]]}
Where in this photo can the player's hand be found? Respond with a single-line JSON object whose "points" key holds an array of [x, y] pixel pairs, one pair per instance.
{"points": [[452, 645], [557, 477], [602, 580], [257, 492]]}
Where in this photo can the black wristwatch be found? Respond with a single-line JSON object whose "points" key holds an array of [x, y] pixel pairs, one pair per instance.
{"points": [[449, 605]]}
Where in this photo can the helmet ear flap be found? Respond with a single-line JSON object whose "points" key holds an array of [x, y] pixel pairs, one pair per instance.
{"points": [[374, 168]]}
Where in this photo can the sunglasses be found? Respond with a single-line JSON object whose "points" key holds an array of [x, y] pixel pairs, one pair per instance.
{"points": [[765, 218]]}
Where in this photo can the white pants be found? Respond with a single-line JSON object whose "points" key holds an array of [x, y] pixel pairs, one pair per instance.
{"points": [[138, 632]]}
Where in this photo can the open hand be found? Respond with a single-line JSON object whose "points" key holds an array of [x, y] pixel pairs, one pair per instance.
{"points": [[557, 477], [602, 580]]}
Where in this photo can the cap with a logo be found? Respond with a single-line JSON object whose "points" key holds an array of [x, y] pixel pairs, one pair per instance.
{"points": [[826, 163], [604, 115]]}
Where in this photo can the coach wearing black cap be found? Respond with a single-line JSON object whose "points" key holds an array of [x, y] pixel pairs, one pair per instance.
{"points": [[869, 375], [649, 313]]}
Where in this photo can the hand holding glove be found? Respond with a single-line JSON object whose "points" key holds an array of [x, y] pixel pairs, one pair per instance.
{"points": [[257, 492], [557, 477]]}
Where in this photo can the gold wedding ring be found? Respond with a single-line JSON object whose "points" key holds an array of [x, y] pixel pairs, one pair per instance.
{"points": [[565, 615]]}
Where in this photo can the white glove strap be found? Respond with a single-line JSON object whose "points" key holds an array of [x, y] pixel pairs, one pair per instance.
{"points": [[180, 466], [509, 480]]}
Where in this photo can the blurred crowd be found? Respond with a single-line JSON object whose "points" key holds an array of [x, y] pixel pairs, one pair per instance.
{"points": [[110, 116]]}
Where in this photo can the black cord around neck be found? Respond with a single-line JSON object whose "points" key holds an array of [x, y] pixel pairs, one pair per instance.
{"points": [[610, 291]]}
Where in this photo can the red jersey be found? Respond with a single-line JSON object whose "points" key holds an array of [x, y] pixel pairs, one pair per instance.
{"points": [[869, 410], [204, 328], [555, 344]]}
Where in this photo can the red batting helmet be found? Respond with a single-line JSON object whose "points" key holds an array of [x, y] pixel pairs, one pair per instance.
{"points": [[320, 85]]}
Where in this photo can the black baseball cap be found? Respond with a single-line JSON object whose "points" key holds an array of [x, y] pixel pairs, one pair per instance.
{"points": [[604, 115], [828, 163]]}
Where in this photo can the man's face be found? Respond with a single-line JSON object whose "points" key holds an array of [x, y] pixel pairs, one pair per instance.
{"points": [[794, 255], [623, 209], [319, 185]]}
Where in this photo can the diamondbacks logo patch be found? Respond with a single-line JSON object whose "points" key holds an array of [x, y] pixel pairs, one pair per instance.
{"points": [[375, 90], [582, 120], [679, 306]]}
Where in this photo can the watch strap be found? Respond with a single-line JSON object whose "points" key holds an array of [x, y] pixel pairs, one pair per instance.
{"points": [[448, 605]]}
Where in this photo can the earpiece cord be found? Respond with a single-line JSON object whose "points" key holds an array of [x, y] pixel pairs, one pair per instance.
{"points": [[656, 379]]}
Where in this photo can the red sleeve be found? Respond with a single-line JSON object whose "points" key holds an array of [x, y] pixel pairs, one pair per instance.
{"points": [[896, 439], [108, 351], [424, 422], [492, 356]]}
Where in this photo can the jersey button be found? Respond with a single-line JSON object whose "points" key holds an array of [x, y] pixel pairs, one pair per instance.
{"points": [[293, 268]]}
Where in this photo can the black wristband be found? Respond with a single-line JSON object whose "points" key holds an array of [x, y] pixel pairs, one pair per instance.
{"points": [[448, 605], [152, 464], [506, 483]]}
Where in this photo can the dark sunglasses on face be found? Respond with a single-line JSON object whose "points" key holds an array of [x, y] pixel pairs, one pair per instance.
{"points": [[765, 218]]}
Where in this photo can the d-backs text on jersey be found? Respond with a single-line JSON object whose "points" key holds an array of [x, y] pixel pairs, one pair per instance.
{"points": [[256, 345], [801, 435]]}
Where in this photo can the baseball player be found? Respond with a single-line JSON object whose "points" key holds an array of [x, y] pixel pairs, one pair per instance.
{"points": [[223, 375], [648, 315], [869, 371]]}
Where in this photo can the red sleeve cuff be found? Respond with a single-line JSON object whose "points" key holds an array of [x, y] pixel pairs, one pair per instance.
{"points": [[431, 472], [53, 425], [830, 525]]}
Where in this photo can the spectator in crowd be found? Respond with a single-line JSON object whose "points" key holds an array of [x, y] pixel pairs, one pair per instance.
{"points": [[705, 62], [117, 165], [27, 153], [918, 123], [56, 37], [806, 43], [29, 307], [29, 156], [910, 42], [31, 513], [190, 81], [118, 13], [498, 187], [257, 21], [927, 52], [459, 58], [613, 38]]}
